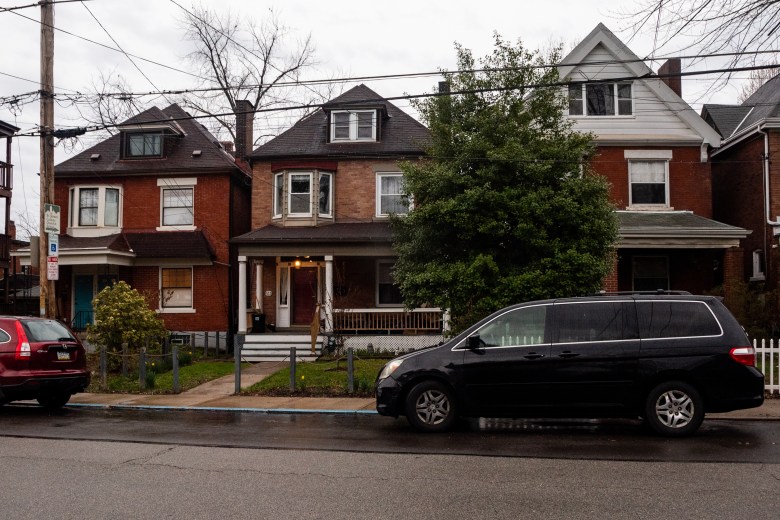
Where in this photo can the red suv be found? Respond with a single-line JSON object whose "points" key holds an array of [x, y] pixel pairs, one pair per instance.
{"points": [[40, 359]]}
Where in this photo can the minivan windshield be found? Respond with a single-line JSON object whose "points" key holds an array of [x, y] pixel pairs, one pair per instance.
{"points": [[46, 330]]}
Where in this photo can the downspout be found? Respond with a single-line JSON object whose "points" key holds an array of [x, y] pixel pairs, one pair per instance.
{"points": [[769, 222]]}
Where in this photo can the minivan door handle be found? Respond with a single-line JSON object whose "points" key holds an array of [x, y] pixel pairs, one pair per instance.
{"points": [[533, 355], [568, 354]]}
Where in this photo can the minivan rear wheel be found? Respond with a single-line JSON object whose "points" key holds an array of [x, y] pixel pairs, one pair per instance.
{"points": [[674, 409], [430, 407], [54, 400]]}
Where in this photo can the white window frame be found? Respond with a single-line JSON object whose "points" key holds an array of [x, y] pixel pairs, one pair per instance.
{"points": [[758, 271], [290, 193], [353, 126], [379, 194], [173, 184], [74, 200], [615, 93], [176, 310], [320, 175], [380, 262], [664, 156], [278, 198]]}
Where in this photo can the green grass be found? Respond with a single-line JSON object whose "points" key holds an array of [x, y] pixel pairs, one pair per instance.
{"points": [[190, 376], [322, 378]]}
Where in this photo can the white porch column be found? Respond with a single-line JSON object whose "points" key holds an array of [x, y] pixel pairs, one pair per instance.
{"points": [[328, 293], [242, 295], [259, 286]]}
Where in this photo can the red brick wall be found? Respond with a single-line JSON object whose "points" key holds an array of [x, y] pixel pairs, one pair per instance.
{"points": [[141, 212], [690, 184]]}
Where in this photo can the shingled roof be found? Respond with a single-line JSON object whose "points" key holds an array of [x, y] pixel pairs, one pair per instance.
{"points": [[401, 134], [731, 120], [186, 136]]}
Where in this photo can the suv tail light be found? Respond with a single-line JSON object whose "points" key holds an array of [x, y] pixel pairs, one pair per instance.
{"points": [[23, 345], [744, 355]]}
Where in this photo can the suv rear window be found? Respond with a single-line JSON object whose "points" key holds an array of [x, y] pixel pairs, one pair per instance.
{"points": [[46, 330], [673, 319]]}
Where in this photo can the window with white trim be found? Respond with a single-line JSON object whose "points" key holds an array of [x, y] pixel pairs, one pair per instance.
{"points": [[177, 203], [387, 292], [298, 194], [176, 287], [601, 99], [353, 125], [390, 196], [94, 207], [649, 183], [758, 266]]}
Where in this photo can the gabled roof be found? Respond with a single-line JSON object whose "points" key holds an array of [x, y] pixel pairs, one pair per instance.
{"points": [[762, 106], [635, 67], [189, 135], [401, 134]]}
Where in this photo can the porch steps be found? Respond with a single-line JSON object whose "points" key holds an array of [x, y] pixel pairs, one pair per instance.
{"points": [[276, 347]]}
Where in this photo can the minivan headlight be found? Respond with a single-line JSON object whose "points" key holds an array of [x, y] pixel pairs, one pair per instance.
{"points": [[390, 368]]}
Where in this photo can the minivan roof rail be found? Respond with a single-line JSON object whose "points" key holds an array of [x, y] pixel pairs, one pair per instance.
{"points": [[645, 293]]}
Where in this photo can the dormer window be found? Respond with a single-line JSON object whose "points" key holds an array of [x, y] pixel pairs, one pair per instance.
{"points": [[142, 144], [600, 99], [353, 125]]}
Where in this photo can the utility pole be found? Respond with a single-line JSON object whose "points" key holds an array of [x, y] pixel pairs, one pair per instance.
{"points": [[47, 301]]}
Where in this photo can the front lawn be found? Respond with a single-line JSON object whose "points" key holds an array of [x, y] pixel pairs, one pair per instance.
{"points": [[321, 378], [190, 376]]}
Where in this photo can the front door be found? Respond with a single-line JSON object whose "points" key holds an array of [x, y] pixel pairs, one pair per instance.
{"points": [[82, 301], [304, 292]]}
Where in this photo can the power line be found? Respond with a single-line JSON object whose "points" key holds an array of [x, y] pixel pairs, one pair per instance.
{"points": [[38, 4]]}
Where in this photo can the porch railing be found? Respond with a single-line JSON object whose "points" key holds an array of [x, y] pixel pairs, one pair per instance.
{"points": [[387, 321], [81, 320]]}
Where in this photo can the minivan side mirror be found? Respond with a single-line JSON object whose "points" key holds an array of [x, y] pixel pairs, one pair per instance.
{"points": [[474, 342]]}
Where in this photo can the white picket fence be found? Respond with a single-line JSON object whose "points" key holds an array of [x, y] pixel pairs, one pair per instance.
{"points": [[768, 360]]}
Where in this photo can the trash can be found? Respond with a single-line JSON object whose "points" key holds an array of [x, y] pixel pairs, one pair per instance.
{"points": [[258, 323]]}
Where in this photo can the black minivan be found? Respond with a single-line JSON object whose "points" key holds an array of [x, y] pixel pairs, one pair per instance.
{"points": [[668, 358]]}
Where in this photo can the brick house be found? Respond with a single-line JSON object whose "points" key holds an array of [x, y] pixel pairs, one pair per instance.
{"points": [[746, 189], [655, 152], [322, 193], [153, 205]]}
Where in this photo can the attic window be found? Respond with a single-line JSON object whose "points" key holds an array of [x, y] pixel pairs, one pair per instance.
{"points": [[142, 144], [600, 99], [353, 125]]}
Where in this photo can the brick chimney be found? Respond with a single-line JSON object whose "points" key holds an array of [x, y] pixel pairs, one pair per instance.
{"points": [[671, 69], [245, 116]]}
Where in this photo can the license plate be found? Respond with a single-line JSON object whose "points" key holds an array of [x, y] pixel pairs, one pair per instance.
{"points": [[63, 356]]}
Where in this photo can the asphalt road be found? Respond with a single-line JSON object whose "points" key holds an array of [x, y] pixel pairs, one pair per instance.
{"points": [[717, 441]]}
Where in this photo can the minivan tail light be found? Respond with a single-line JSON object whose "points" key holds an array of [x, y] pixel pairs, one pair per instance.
{"points": [[744, 355], [23, 346]]}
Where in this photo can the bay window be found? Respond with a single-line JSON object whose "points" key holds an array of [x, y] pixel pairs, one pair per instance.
{"points": [[93, 208]]}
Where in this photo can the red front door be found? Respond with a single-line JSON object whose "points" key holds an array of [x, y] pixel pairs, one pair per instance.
{"points": [[304, 295]]}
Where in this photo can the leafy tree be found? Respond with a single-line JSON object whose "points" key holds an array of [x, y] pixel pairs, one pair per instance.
{"points": [[122, 315], [506, 208]]}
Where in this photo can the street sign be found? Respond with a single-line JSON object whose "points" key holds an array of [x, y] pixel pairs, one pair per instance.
{"points": [[52, 268], [51, 216], [54, 245]]}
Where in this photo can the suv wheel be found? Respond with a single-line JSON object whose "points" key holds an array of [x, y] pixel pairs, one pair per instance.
{"points": [[430, 407], [53, 400], [674, 409]]}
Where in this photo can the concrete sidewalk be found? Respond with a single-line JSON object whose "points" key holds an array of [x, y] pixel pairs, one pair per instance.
{"points": [[218, 395]]}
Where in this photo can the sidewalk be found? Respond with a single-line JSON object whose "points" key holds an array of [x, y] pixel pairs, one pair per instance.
{"points": [[218, 395]]}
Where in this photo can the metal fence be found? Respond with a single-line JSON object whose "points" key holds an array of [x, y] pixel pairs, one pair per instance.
{"points": [[768, 361]]}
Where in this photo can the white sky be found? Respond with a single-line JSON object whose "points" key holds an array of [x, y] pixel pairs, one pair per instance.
{"points": [[352, 38]]}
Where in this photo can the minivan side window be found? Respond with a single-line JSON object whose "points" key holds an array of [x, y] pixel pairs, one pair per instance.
{"points": [[676, 319], [594, 321], [518, 327]]}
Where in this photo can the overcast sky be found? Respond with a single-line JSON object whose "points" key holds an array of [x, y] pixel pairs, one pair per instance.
{"points": [[352, 38]]}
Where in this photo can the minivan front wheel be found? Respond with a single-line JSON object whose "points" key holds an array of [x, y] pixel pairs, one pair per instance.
{"points": [[674, 409], [430, 407]]}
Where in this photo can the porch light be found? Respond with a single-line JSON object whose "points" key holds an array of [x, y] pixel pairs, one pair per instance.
{"points": [[297, 263]]}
